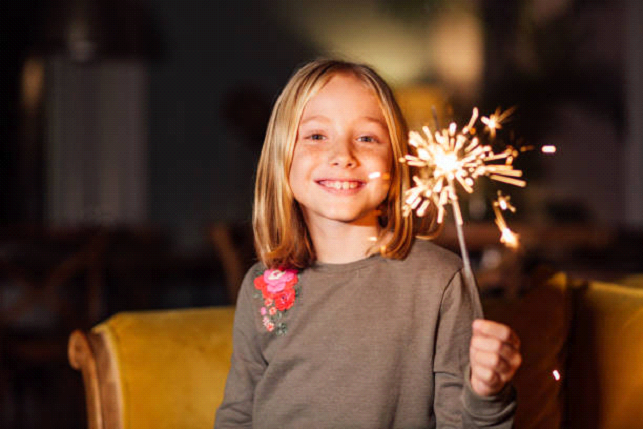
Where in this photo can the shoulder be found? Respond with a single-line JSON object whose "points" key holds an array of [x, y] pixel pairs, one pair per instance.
{"points": [[428, 266], [253, 272], [428, 254]]}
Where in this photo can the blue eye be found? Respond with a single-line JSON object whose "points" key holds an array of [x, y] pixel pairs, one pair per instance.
{"points": [[367, 139], [316, 137]]}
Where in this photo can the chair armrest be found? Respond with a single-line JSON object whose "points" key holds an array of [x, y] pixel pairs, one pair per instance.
{"points": [[82, 357], [90, 354]]}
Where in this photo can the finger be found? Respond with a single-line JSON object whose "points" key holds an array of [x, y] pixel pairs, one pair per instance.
{"points": [[489, 360], [497, 330], [505, 365], [485, 381], [491, 344]]}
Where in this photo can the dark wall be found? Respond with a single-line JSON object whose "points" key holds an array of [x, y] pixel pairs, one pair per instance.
{"points": [[221, 66]]}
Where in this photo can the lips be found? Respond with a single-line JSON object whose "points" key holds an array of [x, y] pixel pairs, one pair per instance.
{"points": [[341, 184]]}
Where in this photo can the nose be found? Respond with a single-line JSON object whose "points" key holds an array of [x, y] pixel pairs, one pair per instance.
{"points": [[342, 155]]}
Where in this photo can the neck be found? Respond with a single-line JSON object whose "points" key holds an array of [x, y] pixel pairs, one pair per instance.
{"points": [[340, 243]]}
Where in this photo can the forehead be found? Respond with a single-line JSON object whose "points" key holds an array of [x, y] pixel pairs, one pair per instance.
{"points": [[345, 95]]}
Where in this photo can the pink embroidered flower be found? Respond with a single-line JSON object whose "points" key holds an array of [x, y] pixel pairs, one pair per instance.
{"points": [[263, 311], [275, 281], [273, 311]]}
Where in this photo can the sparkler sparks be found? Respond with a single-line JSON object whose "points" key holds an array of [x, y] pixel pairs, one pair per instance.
{"points": [[507, 236], [548, 149], [495, 120], [447, 158]]}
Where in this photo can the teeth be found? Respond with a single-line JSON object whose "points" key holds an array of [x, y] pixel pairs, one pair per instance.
{"points": [[337, 184]]}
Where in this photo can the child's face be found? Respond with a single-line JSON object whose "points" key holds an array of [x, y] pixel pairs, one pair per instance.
{"points": [[342, 139]]}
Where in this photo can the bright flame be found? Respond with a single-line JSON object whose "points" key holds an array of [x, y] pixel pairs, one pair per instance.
{"points": [[447, 162], [556, 375]]}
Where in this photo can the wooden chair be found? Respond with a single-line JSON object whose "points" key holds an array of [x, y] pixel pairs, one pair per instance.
{"points": [[155, 369]]}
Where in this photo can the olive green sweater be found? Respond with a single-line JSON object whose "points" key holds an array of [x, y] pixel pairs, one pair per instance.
{"points": [[376, 343]]}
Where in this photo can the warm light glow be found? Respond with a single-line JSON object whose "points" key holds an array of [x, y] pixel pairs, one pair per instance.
{"points": [[363, 32], [556, 375], [456, 41], [374, 175], [548, 149], [33, 79]]}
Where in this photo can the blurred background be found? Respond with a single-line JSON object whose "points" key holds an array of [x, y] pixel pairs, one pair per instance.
{"points": [[130, 131]]}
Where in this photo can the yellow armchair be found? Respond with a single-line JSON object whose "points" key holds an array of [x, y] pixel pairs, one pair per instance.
{"points": [[167, 369], [155, 369]]}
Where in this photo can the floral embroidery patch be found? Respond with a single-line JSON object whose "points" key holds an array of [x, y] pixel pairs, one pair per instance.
{"points": [[277, 289]]}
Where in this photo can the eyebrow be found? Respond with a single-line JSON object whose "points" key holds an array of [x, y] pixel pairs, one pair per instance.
{"points": [[325, 119]]}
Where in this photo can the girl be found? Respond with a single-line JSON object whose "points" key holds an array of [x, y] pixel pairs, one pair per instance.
{"points": [[346, 321]]}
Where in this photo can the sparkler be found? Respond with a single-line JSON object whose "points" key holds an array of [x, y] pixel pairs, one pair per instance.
{"points": [[446, 158]]}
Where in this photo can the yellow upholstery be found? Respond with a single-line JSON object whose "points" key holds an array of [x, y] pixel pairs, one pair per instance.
{"points": [[633, 280], [172, 365], [605, 377]]}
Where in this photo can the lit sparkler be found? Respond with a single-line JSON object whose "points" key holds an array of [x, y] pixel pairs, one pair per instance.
{"points": [[450, 157]]}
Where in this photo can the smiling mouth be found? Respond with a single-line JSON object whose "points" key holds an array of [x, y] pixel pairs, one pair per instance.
{"points": [[340, 184]]}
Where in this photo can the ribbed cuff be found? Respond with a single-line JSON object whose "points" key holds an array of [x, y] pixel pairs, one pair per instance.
{"points": [[485, 410]]}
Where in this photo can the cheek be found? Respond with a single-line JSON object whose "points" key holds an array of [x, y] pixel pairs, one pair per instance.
{"points": [[297, 176]]}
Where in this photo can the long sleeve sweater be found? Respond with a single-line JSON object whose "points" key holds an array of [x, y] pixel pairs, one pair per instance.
{"points": [[376, 343]]}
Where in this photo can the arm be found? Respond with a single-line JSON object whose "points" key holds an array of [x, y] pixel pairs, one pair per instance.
{"points": [[456, 405], [247, 365]]}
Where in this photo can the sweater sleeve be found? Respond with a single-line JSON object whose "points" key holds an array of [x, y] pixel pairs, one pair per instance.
{"points": [[455, 404], [247, 365]]}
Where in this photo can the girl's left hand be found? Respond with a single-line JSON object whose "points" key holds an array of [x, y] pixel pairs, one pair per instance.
{"points": [[495, 356]]}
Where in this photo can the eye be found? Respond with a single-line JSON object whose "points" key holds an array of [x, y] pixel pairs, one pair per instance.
{"points": [[316, 137], [367, 139]]}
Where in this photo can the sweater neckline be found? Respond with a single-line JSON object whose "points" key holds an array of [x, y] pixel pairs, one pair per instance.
{"points": [[326, 267]]}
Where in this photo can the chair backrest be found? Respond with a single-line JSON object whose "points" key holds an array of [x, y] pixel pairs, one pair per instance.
{"points": [[604, 381], [155, 369]]}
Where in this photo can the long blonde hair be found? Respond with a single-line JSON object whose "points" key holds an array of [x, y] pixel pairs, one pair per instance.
{"points": [[281, 236]]}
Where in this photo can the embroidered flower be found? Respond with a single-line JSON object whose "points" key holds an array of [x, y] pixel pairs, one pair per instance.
{"points": [[285, 299], [276, 287], [275, 281]]}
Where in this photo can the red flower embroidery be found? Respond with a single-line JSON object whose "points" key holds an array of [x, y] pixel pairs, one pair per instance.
{"points": [[278, 294], [285, 300]]}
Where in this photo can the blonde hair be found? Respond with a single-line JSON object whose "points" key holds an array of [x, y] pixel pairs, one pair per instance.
{"points": [[281, 236]]}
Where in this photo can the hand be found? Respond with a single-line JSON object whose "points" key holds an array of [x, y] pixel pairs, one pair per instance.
{"points": [[495, 356]]}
